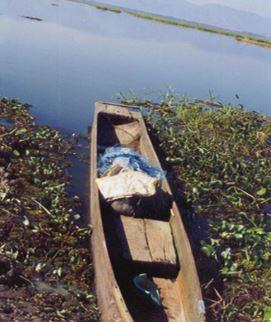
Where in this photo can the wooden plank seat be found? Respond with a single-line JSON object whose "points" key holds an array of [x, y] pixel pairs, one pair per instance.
{"points": [[148, 245]]}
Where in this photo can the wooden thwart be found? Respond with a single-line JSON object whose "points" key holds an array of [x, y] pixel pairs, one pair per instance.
{"points": [[127, 133], [119, 134], [148, 243]]}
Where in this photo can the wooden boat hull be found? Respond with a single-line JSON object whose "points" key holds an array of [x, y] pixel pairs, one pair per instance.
{"points": [[182, 295]]}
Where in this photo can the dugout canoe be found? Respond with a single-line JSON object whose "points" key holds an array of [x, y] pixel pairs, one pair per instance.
{"points": [[172, 268]]}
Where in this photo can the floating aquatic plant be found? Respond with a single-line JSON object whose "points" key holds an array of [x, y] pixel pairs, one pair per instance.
{"points": [[44, 253], [219, 160]]}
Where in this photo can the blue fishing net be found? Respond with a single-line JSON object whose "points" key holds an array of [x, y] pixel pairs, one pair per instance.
{"points": [[127, 158]]}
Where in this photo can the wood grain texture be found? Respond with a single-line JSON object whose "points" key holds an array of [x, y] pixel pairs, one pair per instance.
{"points": [[171, 296], [128, 133], [133, 239], [160, 242], [147, 241], [181, 295]]}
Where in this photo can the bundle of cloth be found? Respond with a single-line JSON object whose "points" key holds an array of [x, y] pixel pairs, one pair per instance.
{"points": [[130, 184]]}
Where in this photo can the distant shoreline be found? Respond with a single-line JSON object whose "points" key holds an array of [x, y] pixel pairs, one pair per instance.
{"points": [[245, 37]]}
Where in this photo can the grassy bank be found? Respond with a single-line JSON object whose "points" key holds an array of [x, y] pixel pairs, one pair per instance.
{"points": [[105, 8], [219, 160], [239, 36], [243, 37], [45, 269]]}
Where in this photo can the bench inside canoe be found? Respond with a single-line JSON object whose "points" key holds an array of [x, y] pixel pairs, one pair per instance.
{"points": [[148, 243]]}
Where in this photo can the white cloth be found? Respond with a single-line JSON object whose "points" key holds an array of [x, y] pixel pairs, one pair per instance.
{"points": [[127, 183]]}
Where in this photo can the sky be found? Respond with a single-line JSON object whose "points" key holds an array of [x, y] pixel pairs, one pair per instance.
{"points": [[260, 7]]}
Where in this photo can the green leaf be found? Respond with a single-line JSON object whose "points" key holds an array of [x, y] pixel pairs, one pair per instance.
{"points": [[267, 314], [38, 267], [21, 131], [207, 249], [26, 221], [59, 271], [261, 191], [16, 153]]}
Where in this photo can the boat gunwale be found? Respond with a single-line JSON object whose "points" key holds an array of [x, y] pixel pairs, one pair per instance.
{"points": [[95, 213]]}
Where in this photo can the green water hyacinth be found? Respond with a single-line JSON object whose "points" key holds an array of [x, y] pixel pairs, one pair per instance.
{"points": [[218, 158], [44, 253]]}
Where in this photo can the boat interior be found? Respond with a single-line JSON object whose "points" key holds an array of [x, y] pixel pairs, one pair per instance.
{"points": [[143, 243]]}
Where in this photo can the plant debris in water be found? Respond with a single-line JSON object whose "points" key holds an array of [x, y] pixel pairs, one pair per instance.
{"points": [[32, 18], [219, 157], [45, 269]]}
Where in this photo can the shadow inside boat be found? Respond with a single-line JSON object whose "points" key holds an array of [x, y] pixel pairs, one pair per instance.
{"points": [[126, 131], [140, 307]]}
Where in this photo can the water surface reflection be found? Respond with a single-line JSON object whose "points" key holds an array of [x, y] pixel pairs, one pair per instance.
{"points": [[77, 55]]}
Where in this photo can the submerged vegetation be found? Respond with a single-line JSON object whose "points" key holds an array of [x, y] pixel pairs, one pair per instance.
{"points": [[219, 160], [239, 36], [45, 270]]}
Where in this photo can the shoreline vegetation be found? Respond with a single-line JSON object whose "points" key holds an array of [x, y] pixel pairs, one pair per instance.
{"points": [[45, 264], [218, 159], [247, 38]]}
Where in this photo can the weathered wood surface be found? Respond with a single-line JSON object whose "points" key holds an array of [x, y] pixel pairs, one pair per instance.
{"points": [[128, 133], [147, 241], [111, 304], [171, 295], [187, 306], [160, 241]]}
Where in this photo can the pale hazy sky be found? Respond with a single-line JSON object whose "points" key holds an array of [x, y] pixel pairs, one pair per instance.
{"points": [[260, 7]]}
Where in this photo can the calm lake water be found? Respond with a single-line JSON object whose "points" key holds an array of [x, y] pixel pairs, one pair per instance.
{"points": [[77, 55], [240, 15]]}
